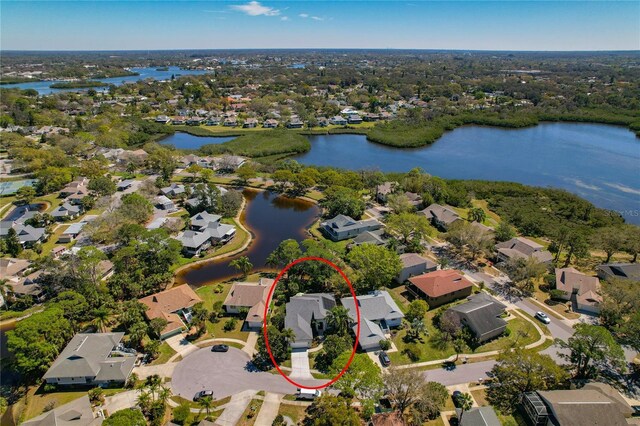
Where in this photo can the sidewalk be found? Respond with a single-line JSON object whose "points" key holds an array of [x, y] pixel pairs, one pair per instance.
{"points": [[234, 408], [269, 409]]}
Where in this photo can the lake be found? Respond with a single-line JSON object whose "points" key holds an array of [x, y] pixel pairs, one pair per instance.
{"points": [[600, 163], [271, 219], [43, 87], [181, 140]]}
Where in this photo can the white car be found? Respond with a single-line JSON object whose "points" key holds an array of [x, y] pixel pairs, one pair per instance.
{"points": [[309, 394], [542, 317]]}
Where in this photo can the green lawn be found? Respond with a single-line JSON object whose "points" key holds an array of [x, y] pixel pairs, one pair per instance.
{"points": [[250, 414], [216, 329], [166, 352], [295, 412]]}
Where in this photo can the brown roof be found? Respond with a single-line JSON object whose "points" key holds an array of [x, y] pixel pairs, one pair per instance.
{"points": [[166, 303], [393, 418], [13, 266], [252, 296], [439, 283], [413, 259], [570, 279]]}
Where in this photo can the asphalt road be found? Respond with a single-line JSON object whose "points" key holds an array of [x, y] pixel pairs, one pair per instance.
{"points": [[226, 374], [461, 374]]}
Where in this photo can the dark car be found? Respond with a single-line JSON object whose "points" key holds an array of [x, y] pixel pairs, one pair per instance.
{"points": [[384, 359], [203, 394], [455, 397], [219, 348]]}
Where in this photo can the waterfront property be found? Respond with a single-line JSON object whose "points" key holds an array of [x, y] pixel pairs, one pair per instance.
{"points": [[306, 315], [582, 290], [173, 305], [205, 230], [481, 314], [249, 297], [92, 359], [522, 248], [343, 227], [378, 314], [440, 287]]}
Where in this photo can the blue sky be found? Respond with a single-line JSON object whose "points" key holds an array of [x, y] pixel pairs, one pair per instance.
{"points": [[412, 24]]}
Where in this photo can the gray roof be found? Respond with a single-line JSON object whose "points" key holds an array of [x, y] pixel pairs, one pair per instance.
{"points": [[370, 333], [413, 259], [302, 309], [479, 416], [482, 313], [630, 271], [125, 183], [203, 219], [343, 222], [87, 355], [520, 247], [375, 306], [74, 228], [583, 407], [370, 237], [442, 214], [65, 209], [192, 239], [217, 230], [173, 189], [25, 233], [75, 413]]}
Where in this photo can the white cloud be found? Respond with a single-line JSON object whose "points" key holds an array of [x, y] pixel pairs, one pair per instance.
{"points": [[284, 18], [254, 8], [304, 15], [317, 18]]}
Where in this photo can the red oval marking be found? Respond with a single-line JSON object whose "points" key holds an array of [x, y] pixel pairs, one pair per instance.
{"points": [[266, 316]]}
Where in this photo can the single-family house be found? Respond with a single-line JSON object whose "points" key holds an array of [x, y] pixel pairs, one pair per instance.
{"points": [[125, 184], [593, 404], [581, 289], [624, 271], [199, 221], [195, 121], [322, 121], [481, 313], [440, 287], [384, 189], [73, 187], [338, 121], [441, 216], [27, 235], [78, 412], [179, 120], [250, 123], [213, 121], [164, 203], [414, 199], [230, 122], [522, 248], [173, 190], [249, 296], [371, 117], [174, 305], [370, 237], [164, 119], [270, 123], [193, 243], [378, 313], [295, 123], [354, 119], [478, 416], [92, 359], [343, 227], [72, 232], [306, 314], [66, 211], [414, 264]]}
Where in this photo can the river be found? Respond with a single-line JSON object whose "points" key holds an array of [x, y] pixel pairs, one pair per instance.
{"points": [[44, 87], [598, 162], [271, 219]]}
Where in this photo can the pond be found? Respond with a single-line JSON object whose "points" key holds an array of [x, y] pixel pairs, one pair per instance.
{"points": [[44, 87], [181, 140], [600, 163], [271, 219]]}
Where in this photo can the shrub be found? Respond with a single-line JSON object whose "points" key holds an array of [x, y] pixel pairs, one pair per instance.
{"points": [[181, 414], [278, 421], [507, 332], [96, 395], [385, 344], [557, 294], [230, 324], [413, 352]]}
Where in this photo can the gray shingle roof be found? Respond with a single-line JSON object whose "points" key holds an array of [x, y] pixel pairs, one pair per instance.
{"points": [[482, 313], [480, 416], [302, 309], [192, 239], [374, 307], [370, 333]]}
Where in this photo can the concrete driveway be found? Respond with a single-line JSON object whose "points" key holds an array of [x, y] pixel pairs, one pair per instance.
{"points": [[300, 365], [227, 373]]}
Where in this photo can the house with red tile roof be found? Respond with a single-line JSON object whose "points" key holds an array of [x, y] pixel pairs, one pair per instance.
{"points": [[440, 287]]}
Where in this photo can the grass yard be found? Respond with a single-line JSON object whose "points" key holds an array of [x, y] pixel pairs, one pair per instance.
{"points": [[295, 412], [38, 402], [250, 414], [166, 352], [216, 403], [209, 296], [480, 396], [522, 331]]}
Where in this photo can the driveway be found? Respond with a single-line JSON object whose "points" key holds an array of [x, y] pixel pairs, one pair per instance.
{"points": [[226, 373], [300, 365]]}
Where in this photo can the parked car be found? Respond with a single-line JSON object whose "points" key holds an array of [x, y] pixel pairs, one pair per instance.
{"points": [[309, 394], [384, 359], [542, 317], [203, 394], [219, 348]]}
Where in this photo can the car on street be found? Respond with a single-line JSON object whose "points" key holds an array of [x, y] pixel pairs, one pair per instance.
{"points": [[309, 394], [203, 394], [542, 317], [219, 348], [384, 359]]}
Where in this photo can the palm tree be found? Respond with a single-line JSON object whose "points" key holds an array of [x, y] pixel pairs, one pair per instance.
{"points": [[153, 382], [242, 264], [477, 214], [288, 335], [417, 328], [163, 394], [144, 401], [338, 319], [101, 318], [206, 403], [465, 402]]}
